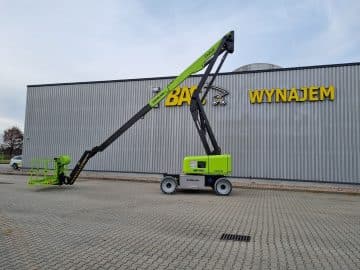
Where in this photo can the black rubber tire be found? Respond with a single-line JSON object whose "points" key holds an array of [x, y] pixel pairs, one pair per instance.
{"points": [[222, 187], [15, 166], [168, 185]]}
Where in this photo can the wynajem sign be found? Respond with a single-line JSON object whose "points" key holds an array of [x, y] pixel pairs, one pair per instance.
{"points": [[302, 94]]}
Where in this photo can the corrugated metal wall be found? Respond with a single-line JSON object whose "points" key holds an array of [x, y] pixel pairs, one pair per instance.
{"points": [[302, 141]]}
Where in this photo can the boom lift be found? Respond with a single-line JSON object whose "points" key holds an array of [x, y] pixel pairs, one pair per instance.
{"points": [[200, 172]]}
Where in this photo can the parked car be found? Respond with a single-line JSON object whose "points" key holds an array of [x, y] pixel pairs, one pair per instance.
{"points": [[16, 162]]}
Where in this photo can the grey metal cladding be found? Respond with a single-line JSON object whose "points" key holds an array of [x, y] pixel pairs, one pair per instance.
{"points": [[316, 141]]}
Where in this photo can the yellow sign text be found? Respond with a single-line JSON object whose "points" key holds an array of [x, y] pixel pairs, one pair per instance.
{"points": [[277, 95], [180, 95]]}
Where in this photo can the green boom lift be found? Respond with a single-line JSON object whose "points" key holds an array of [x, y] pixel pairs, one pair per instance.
{"points": [[200, 172]]}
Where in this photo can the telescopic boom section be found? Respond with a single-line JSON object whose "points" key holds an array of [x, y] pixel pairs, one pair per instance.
{"points": [[208, 59]]}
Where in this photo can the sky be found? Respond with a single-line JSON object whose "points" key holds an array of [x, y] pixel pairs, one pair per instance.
{"points": [[70, 41]]}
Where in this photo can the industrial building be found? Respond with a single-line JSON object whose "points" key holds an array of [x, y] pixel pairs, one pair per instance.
{"points": [[298, 123]]}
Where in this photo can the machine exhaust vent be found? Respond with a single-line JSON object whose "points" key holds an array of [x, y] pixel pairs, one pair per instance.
{"points": [[235, 237]]}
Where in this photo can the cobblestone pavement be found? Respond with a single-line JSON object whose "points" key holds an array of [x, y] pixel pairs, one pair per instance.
{"points": [[127, 225]]}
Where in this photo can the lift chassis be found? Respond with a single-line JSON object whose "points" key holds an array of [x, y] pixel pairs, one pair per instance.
{"points": [[200, 172]]}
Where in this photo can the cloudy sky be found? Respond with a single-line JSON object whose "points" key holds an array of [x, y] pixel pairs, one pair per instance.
{"points": [[65, 41]]}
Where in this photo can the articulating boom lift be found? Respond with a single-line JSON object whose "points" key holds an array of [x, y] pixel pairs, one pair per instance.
{"points": [[200, 171]]}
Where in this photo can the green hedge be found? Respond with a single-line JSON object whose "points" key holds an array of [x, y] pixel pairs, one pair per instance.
{"points": [[4, 161]]}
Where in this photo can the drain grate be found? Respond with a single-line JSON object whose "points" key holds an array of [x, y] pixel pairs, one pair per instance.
{"points": [[235, 237]]}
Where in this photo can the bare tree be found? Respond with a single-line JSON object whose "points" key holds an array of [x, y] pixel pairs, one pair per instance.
{"points": [[13, 141]]}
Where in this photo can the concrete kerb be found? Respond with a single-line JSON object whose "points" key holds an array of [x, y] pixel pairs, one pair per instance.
{"points": [[237, 182], [299, 186]]}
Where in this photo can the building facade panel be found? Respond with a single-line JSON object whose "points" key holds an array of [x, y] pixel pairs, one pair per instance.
{"points": [[309, 141]]}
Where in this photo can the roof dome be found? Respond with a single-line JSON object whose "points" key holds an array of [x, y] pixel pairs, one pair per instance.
{"points": [[257, 66]]}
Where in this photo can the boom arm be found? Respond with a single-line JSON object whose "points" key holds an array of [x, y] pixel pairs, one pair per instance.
{"points": [[208, 59], [197, 110]]}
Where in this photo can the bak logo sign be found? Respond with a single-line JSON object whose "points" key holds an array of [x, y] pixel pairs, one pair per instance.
{"points": [[183, 95], [219, 98]]}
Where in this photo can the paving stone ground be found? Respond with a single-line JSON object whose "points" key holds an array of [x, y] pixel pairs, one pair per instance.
{"points": [[128, 225]]}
